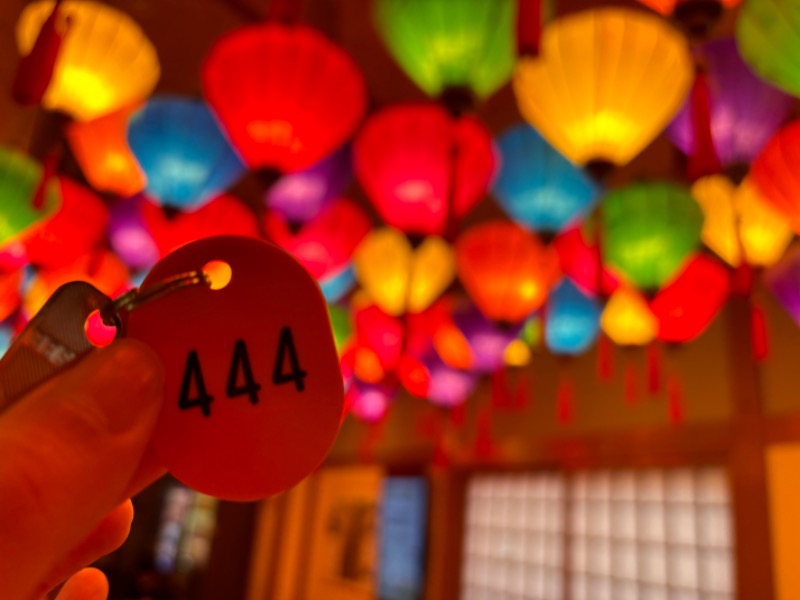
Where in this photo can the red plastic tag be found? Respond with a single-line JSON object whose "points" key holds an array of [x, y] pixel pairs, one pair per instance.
{"points": [[253, 393]]}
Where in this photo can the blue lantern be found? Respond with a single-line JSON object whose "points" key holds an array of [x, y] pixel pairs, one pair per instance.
{"points": [[335, 286], [572, 320], [538, 187], [183, 152]]}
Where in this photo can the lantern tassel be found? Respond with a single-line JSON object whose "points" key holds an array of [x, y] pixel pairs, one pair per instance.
{"points": [[565, 399], [49, 169], [35, 70], [529, 27], [484, 443], [675, 400], [522, 394], [458, 415], [759, 334], [605, 368], [653, 368], [631, 384], [369, 441], [703, 161], [500, 392]]}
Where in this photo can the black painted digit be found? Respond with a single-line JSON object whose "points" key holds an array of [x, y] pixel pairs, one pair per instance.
{"points": [[193, 373], [241, 363], [286, 348]]}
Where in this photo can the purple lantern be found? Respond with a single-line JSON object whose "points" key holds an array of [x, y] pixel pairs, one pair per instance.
{"points": [[369, 402], [783, 280], [448, 386], [130, 236], [300, 196], [487, 340], [745, 110]]}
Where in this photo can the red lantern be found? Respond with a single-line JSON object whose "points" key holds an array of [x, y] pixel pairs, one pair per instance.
{"points": [[9, 293], [324, 245], [225, 215], [378, 346], [506, 270], [686, 306], [421, 167], [580, 260], [776, 172], [77, 227], [286, 95]]}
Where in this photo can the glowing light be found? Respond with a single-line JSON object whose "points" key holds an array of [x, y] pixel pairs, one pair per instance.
{"points": [[606, 83], [572, 320], [627, 319]]}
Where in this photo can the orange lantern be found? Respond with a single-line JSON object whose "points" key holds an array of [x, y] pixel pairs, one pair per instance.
{"points": [[100, 268], [101, 148], [506, 270]]}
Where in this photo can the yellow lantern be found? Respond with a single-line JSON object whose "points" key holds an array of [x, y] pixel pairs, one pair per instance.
{"points": [[101, 148], [627, 319], [400, 278], [605, 84], [763, 234], [106, 62]]}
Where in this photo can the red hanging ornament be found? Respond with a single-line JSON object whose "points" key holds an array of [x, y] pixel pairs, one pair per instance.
{"points": [[758, 333], [605, 368], [703, 160], [529, 27], [653, 368], [631, 384], [35, 70], [675, 400], [522, 394], [565, 399], [484, 442], [501, 395]]}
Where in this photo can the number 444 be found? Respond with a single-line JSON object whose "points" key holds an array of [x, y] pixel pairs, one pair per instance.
{"points": [[240, 376]]}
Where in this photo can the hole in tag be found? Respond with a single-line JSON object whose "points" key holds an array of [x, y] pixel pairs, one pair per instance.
{"points": [[98, 333], [218, 273]]}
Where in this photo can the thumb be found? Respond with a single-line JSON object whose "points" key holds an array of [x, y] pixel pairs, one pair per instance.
{"points": [[68, 452]]}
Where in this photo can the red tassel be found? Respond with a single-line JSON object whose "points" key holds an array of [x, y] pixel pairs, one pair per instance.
{"points": [[441, 460], [369, 441], [653, 368], [759, 334], [484, 443], [565, 401], [742, 280], [703, 161], [631, 384], [529, 27], [500, 393], [522, 394], [604, 358], [458, 415], [35, 70], [675, 400]]}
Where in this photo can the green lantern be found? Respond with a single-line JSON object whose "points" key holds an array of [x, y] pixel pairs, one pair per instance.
{"points": [[450, 44], [342, 326], [649, 229], [19, 178], [768, 36]]}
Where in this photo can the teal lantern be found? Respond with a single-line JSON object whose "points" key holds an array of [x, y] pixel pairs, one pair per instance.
{"points": [[450, 44], [20, 206], [572, 320], [768, 36], [649, 229]]}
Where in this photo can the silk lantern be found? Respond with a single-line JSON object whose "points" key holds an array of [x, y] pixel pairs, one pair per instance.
{"points": [[447, 44], [378, 344], [686, 306], [775, 173], [129, 234], [224, 215], [627, 319], [580, 260], [101, 148], [342, 326], [337, 284], [783, 282], [571, 319], [105, 62], [184, 154], [400, 278], [739, 224], [20, 178], [74, 229], [768, 34], [370, 402], [100, 268], [537, 187], [442, 385], [286, 95], [668, 7], [745, 111], [606, 83], [506, 270], [649, 229], [325, 245], [422, 169], [300, 196]]}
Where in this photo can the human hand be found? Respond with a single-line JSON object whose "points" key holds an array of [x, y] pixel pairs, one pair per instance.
{"points": [[71, 454]]}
